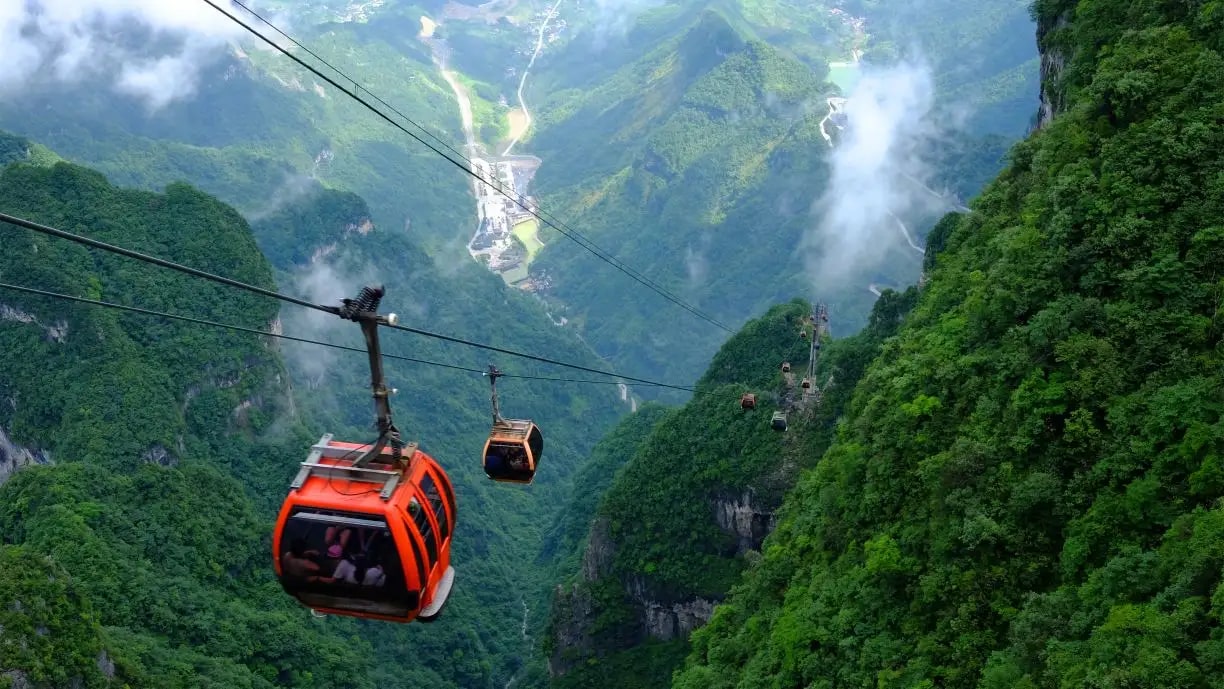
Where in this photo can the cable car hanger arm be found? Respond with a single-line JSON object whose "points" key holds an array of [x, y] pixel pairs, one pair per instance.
{"points": [[364, 311]]}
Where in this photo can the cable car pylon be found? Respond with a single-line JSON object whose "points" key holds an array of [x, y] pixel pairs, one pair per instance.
{"points": [[365, 530]]}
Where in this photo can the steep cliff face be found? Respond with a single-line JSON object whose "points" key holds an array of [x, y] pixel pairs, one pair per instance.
{"points": [[745, 517], [691, 508], [1053, 23], [13, 457], [1026, 491]]}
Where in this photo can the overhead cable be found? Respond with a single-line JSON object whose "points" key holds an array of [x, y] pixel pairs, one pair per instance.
{"points": [[48, 230], [253, 331]]}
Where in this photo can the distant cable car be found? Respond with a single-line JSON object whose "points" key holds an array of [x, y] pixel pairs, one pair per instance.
{"points": [[748, 401], [806, 384], [786, 367], [366, 529], [778, 421], [512, 452], [803, 333]]}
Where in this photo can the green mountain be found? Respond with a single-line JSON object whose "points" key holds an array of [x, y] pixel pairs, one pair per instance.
{"points": [[692, 148], [686, 514], [168, 446], [1025, 489]]}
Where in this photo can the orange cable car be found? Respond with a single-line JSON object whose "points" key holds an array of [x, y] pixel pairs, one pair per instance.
{"points": [[366, 529], [367, 541], [748, 401], [512, 452]]}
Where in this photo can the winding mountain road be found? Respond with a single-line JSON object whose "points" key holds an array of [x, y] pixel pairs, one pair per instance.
{"points": [[552, 12]]}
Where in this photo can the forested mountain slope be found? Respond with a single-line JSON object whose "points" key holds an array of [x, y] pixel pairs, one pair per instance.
{"points": [[146, 424], [1025, 492], [171, 445], [693, 145], [259, 129], [695, 497]]}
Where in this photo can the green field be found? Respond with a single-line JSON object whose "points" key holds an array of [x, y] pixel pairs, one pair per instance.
{"points": [[845, 75], [526, 233], [515, 274]]}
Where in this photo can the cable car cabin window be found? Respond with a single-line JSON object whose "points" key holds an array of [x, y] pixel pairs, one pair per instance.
{"points": [[435, 501], [508, 461], [422, 522], [344, 562], [450, 494]]}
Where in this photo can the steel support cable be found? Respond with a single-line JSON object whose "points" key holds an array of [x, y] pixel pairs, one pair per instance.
{"points": [[495, 183], [568, 232], [253, 331], [356, 85], [45, 229], [79, 239]]}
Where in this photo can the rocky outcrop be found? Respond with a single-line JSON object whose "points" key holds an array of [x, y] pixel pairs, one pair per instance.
{"points": [[53, 332], [677, 620], [13, 457], [746, 518], [1053, 61], [579, 627], [597, 560]]}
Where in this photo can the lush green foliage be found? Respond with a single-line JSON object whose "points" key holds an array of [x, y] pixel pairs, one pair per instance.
{"points": [[690, 147], [612, 452], [644, 666], [659, 511], [1026, 489], [51, 634], [175, 556]]}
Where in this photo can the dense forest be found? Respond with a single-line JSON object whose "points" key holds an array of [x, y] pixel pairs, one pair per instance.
{"points": [[1025, 489], [695, 495], [1011, 476], [162, 449]]}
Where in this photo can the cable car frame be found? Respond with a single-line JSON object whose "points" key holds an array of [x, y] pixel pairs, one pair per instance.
{"points": [[365, 530], [514, 448]]}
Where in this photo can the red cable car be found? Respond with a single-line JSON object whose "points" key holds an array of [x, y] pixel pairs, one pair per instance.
{"points": [[748, 401], [366, 529], [368, 541], [512, 452]]}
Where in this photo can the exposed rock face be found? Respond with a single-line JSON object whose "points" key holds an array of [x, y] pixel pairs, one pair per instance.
{"points": [[105, 665], [597, 560], [576, 632], [14, 457], [667, 622], [55, 332], [750, 522], [158, 454], [1053, 60]]}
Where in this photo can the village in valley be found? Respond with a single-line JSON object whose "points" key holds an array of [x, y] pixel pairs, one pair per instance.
{"points": [[506, 236]]}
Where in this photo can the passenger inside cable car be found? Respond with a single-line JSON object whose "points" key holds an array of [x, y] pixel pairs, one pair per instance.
{"points": [[365, 575], [508, 461]]}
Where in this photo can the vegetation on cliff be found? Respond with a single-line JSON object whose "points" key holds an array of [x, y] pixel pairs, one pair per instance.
{"points": [[1025, 492]]}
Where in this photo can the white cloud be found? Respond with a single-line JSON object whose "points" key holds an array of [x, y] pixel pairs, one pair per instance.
{"points": [[877, 171], [150, 49]]}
